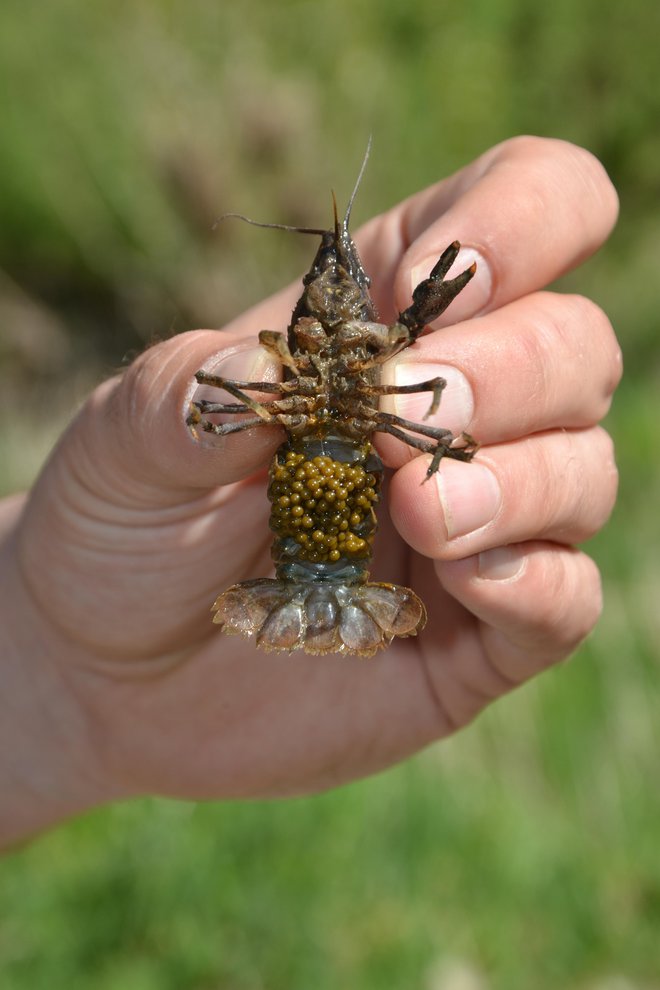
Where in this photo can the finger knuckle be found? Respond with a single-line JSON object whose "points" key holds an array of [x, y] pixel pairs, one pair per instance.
{"points": [[571, 602], [576, 481], [560, 325], [572, 321], [584, 311], [587, 175], [553, 604], [542, 489], [532, 146], [590, 484], [613, 363], [594, 179], [587, 601], [573, 328], [563, 165], [595, 329], [609, 473]]}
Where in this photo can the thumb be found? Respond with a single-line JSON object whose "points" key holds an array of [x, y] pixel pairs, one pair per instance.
{"points": [[131, 437]]}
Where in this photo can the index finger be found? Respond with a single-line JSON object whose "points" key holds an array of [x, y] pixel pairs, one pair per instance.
{"points": [[527, 211]]}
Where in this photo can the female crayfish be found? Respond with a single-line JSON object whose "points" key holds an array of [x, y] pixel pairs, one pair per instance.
{"points": [[325, 478]]}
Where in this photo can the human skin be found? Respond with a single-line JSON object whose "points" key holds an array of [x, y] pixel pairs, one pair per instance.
{"points": [[116, 683]]}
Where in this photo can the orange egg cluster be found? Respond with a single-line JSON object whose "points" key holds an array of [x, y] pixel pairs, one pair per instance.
{"points": [[325, 505]]}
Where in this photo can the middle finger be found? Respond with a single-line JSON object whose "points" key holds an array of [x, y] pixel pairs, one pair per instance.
{"points": [[544, 362]]}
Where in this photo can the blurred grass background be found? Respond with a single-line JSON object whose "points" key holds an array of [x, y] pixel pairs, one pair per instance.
{"points": [[524, 853]]}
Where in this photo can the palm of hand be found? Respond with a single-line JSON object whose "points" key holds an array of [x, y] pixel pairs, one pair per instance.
{"points": [[133, 592]]}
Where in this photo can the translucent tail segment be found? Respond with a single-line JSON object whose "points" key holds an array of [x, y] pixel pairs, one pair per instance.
{"points": [[285, 616]]}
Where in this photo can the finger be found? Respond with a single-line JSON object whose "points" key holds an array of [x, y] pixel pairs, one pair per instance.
{"points": [[534, 603], [138, 423], [527, 211], [556, 486], [543, 362]]}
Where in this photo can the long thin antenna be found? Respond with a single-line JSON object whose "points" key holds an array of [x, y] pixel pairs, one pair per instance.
{"points": [[273, 226], [318, 231], [347, 215]]}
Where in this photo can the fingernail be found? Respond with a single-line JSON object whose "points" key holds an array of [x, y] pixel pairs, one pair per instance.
{"points": [[247, 363], [500, 564], [476, 294], [456, 403], [470, 496]]}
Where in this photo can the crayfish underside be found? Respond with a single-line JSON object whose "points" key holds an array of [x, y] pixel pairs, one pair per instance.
{"points": [[325, 479]]}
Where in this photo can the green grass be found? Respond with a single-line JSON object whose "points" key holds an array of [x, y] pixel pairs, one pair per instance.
{"points": [[525, 850]]}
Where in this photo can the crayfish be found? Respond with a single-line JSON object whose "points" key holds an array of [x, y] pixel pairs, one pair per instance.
{"points": [[325, 478]]}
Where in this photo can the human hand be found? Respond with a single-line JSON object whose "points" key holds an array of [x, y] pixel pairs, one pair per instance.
{"points": [[133, 527]]}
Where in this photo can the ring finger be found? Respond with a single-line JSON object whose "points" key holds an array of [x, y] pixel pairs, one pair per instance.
{"points": [[558, 486]]}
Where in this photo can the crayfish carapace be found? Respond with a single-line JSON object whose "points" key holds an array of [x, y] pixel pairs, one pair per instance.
{"points": [[325, 478]]}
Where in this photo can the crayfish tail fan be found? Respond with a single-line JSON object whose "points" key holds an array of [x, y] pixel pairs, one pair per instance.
{"points": [[285, 616]]}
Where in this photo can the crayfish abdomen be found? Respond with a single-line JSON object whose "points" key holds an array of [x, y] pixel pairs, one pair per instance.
{"points": [[324, 520]]}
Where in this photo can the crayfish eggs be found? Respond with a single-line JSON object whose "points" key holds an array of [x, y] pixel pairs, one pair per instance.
{"points": [[324, 505]]}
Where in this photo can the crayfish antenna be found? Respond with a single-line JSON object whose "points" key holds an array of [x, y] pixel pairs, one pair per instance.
{"points": [[347, 215], [272, 226]]}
